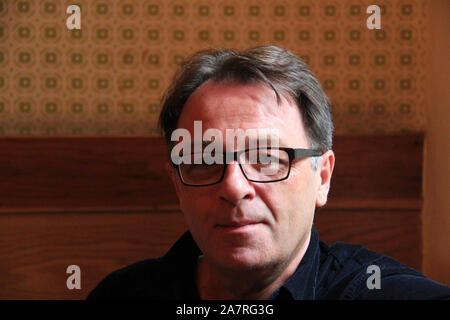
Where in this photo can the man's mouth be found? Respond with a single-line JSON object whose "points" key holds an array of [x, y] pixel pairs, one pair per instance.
{"points": [[237, 225]]}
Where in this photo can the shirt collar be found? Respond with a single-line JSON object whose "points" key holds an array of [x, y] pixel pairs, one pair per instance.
{"points": [[303, 283], [300, 286]]}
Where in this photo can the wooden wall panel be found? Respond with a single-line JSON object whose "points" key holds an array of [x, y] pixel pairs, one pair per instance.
{"points": [[393, 232], [103, 203], [83, 174], [35, 249], [378, 167], [128, 173]]}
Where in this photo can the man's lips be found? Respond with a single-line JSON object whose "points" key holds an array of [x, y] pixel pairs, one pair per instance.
{"points": [[236, 224]]}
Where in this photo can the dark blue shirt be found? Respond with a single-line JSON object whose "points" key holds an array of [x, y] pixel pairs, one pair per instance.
{"points": [[339, 272]]}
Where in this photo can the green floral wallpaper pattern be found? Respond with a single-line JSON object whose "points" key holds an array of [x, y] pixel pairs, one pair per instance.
{"points": [[107, 77]]}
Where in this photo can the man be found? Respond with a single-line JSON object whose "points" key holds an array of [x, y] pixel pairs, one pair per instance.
{"points": [[251, 232]]}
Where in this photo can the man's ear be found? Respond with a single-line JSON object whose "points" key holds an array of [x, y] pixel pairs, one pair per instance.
{"points": [[171, 171], [325, 170]]}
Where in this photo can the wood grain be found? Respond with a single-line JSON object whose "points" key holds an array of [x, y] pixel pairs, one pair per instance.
{"points": [[103, 203], [36, 249], [378, 167], [116, 173], [393, 232], [83, 173]]}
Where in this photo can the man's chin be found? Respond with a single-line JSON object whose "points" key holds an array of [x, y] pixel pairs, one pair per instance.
{"points": [[240, 258], [240, 248]]}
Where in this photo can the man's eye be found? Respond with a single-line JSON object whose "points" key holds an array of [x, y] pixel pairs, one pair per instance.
{"points": [[207, 165]]}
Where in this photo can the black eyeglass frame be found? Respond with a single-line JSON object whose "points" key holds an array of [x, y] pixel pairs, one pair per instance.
{"points": [[293, 153]]}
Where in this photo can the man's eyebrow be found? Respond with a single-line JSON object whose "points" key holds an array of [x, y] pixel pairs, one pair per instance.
{"points": [[202, 143], [268, 140], [249, 140]]}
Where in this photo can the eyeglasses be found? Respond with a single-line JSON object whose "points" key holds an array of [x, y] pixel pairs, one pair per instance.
{"points": [[262, 165]]}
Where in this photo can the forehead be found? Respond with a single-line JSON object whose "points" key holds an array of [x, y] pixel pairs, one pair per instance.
{"points": [[232, 105]]}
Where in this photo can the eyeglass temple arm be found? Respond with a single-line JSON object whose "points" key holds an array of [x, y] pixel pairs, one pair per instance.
{"points": [[298, 153], [303, 153]]}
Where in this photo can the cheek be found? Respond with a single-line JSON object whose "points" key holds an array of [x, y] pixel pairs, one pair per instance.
{"points": [[187, 206], [294, 201]]}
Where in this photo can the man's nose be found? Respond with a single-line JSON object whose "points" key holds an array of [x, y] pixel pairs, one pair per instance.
{"points": [[234, 185]]}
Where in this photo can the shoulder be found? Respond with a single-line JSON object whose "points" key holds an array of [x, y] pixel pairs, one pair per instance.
{"points": [[350, 271], [132, 281]]}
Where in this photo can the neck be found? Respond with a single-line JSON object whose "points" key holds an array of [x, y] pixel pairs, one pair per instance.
{"points": [[215, 283]]}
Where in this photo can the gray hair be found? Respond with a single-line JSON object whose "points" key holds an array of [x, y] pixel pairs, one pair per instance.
{"points": [[284, 72]]}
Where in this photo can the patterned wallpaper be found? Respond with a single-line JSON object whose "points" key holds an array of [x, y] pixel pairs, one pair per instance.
{"points": [[107, 78]]}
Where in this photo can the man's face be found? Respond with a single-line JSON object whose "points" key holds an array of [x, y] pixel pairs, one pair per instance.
{"points": [[243, 224]]}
